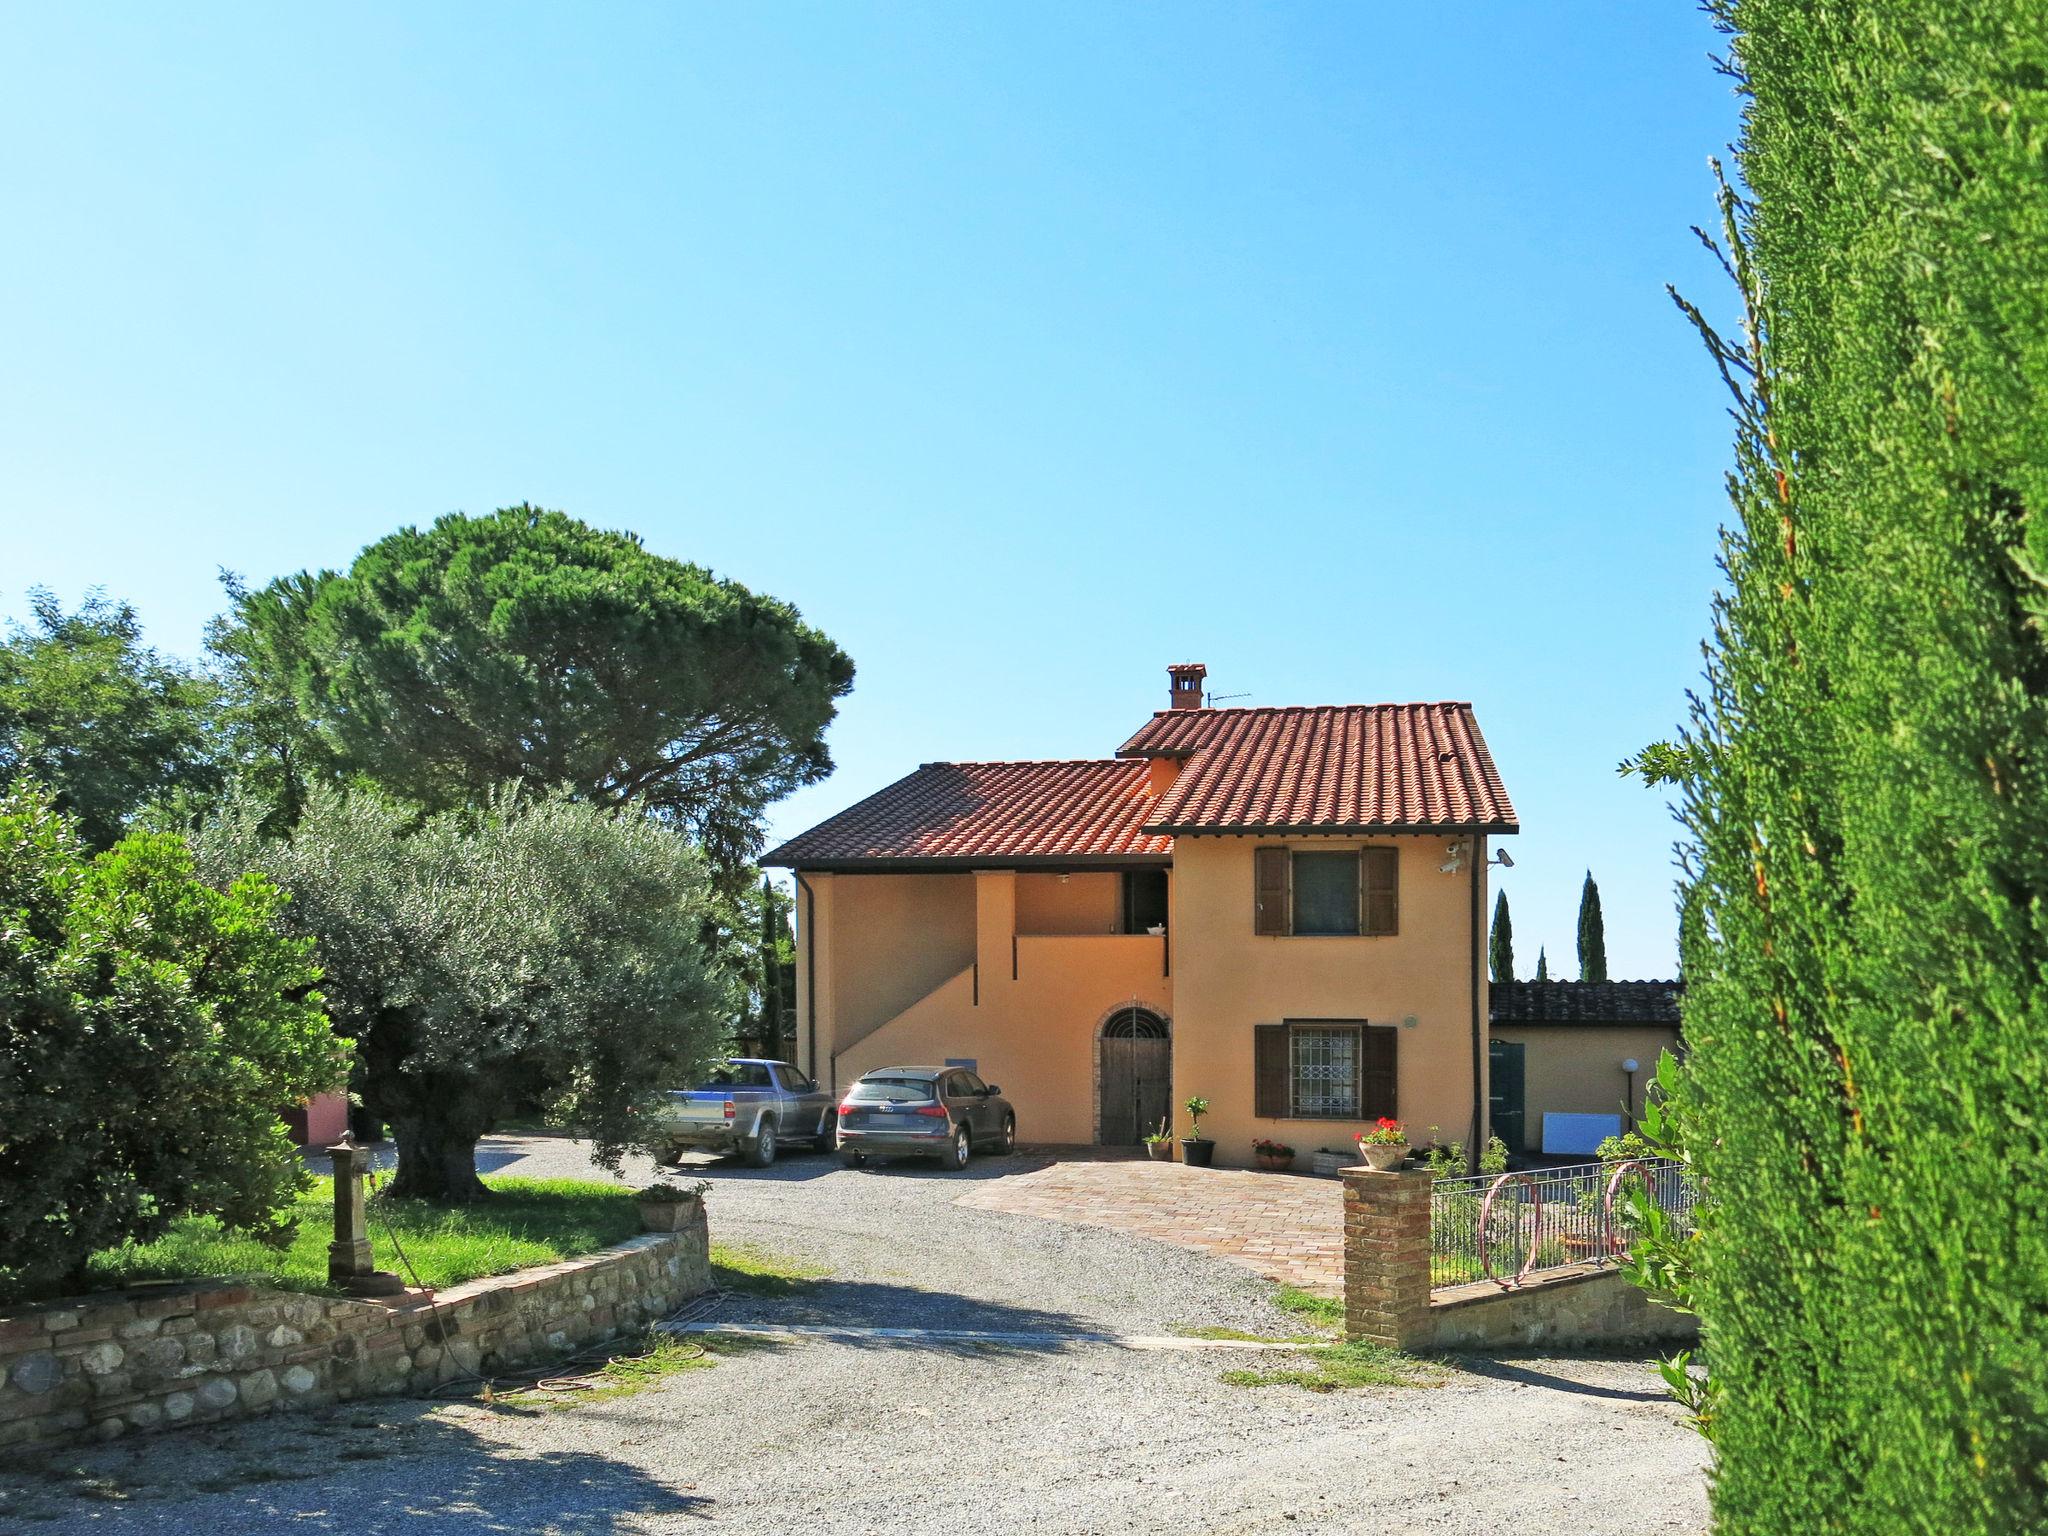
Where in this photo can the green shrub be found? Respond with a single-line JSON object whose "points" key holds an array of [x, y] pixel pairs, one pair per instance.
{"points": [[151, 1027], [1866, 784]]}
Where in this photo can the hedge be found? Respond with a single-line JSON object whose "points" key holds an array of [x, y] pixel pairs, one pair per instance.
{"points": [[1867, 962]]}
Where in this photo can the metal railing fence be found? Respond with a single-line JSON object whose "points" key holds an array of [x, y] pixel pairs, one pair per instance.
{"points": [[1506, 1227]]}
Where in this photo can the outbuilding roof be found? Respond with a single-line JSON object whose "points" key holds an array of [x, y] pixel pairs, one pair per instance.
{"points": [[1587, 1002], [1326, 768], [966, 814]]}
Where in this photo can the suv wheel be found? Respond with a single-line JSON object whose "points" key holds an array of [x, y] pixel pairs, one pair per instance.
{"points": [[1008, 1143], [760, 1152], [963, 1148]]}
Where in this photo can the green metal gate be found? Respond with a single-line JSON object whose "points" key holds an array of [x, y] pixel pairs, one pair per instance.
{"points": [[1506, 1101]]}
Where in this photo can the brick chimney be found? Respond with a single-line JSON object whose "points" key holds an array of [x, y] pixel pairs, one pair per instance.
{"points": [[1184, 685]]}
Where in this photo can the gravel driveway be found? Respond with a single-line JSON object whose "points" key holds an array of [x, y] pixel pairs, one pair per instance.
{"points": [[1067, 1434]]}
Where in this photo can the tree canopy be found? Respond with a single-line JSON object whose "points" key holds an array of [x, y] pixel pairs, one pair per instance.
{"points": [[151, 1027], [525, 646], [1592, 933], [1501, 946], [101, 720], [535, 949]]}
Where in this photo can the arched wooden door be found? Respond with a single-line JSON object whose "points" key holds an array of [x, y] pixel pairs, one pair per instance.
{"points": [[1137, 1076]]}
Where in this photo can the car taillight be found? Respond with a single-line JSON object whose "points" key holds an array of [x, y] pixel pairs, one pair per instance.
{"points": [[846, 1108], [732, 1110], [931, 1111]]}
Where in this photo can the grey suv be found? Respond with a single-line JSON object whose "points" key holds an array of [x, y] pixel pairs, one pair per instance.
{"points": [[942, 1112]]}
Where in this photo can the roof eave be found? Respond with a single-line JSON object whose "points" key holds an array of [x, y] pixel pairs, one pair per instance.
{"points": [[966, 862], [1500, 1022], [1334, 829]]}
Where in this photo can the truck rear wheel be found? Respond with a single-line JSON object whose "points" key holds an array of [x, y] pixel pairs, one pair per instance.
{"points": [[760, 1151]]}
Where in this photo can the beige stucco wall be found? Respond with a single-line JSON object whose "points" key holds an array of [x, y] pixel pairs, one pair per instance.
{"points": [[913, 968], [1572, 1070], [893, 938], [1082, 903], [1229, 979], [1032, 1033]]}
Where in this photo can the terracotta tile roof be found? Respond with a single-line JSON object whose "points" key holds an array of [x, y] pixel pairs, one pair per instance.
{"points": [[1586, 1002], [1344, 767], [990, 814]]}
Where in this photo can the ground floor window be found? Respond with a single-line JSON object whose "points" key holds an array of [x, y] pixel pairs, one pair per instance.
{"points": [[1325, 1069], [1323, 1072]]}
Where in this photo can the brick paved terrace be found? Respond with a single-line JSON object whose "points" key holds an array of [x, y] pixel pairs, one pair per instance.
{"points": [[1285, 1226]]}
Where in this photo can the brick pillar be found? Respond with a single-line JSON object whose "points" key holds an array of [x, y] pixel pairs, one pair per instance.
{"points": [[1386, 1257]]}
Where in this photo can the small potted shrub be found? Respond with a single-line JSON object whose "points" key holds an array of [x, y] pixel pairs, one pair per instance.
{"points": [[1160, 1144], [1195, 1148], [666, 1207], [1273, 1156], [1385, 1146]]}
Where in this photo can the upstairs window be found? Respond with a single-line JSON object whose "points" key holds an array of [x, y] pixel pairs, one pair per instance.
{"points": [[1325, 892]]}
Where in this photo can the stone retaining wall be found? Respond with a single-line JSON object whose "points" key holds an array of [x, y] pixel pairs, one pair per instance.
{"points": [[1387, 1298], [1585, 1306], [153, 1357]]}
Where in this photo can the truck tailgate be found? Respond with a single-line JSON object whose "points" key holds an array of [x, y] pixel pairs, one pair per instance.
{"points": [[701, 1107]]}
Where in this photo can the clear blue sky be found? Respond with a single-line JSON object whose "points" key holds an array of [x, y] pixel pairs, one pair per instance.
{"points": [[1025, 347]]}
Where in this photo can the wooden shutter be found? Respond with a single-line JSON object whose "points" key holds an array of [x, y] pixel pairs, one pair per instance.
{"points": [[1382, 911], [1269, 897], [1379, 1053], [1270, 1072]]}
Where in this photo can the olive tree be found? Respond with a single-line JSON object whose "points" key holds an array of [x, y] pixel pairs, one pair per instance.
{"points": [[536, 948], [151, 1028]]}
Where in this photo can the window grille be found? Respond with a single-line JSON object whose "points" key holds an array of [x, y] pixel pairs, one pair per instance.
{"points": [[1325, 1072]]}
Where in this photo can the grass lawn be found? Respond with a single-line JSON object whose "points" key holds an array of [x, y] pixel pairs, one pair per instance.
{"points": [[527, 1222], [1356, 1364], [1336, 1365], [753, 1272]]}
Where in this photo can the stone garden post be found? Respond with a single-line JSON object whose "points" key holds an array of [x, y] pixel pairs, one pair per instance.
{"points": [[350, 1263]]}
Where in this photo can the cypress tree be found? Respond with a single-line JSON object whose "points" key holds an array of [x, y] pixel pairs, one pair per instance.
{"points": [[1500, 953], [1592, 933], [1542, 964], [1865, 783]]}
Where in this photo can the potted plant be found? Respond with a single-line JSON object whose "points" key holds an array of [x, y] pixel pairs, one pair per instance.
{"points": [[1195, 1148], [1385, 1146], [1160, 1144], [666, 1207], [1273, 1156]]}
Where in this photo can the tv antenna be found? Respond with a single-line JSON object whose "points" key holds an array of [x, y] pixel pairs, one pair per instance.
{"points": [[1213, 699]]}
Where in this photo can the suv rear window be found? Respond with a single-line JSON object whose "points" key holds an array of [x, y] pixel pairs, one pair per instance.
{"points": [[891, 1090], [734, 1074]]}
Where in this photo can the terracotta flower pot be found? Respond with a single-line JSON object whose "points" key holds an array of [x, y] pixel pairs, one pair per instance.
{"points": [[1159, 1151], [1383, 1157], [1272, 1164], [667, 1215]]}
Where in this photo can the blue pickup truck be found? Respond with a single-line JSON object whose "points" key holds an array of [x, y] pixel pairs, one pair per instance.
{"points": [[750, 1106]]}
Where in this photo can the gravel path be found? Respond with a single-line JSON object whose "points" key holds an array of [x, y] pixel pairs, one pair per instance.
{"points": [[831, 1435]]}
